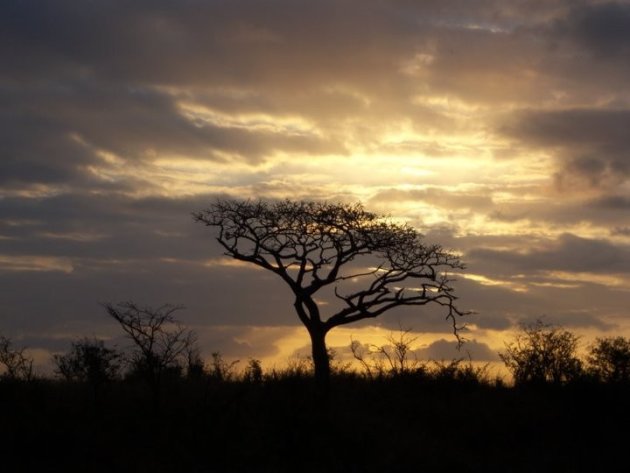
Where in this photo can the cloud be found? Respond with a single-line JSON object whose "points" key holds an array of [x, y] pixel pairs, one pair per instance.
{"points": [[497, 127], [615, 202], [604, 28], [590, 144], [567, 253], [447, 350], [83, 132], [437, 197], [575, 319]]}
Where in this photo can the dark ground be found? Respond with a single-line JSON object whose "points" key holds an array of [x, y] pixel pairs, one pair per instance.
{"points": [[387, 425]]}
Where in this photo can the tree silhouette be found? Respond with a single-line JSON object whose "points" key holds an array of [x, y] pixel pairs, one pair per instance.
{"points": [[609, 359], [394, 358], [542, 353], [90, 361], [316, 245], [160, 341], [16, 364]]}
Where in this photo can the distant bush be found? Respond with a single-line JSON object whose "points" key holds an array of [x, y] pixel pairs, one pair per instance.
{"points": [[542, 353], [161, 345], [220, 369], [460, 371], [609, 359], [17, 366], [89, 360], [296, 368], [254, 372]]}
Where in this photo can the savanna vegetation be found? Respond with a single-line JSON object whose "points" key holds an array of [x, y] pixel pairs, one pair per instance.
{"points": [[160, 406]]}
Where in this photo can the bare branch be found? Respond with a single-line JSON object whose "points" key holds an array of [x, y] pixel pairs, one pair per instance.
{"points": [[160, 341], [17, 366], [314, 245]]}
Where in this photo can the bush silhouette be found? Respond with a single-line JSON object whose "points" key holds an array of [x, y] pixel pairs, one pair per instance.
{"points": [[17, 366], [161, 345], [89, 360], [609, 359], [542, 353]]}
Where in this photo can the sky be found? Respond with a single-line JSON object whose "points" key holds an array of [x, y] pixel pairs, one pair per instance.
{"points": [[497, 128]]}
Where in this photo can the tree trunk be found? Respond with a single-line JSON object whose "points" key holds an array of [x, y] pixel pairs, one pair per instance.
{"points": [[321, 361]]}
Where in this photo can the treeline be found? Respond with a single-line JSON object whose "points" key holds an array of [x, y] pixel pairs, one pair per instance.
{"points": [[160, 408], [163, 349]]}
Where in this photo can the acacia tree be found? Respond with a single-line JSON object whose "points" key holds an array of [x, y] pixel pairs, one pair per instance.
{"points": [[316, 245]]}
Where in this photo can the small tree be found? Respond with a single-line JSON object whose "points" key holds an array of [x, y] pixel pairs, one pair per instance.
{"points": [[609, 359], [220, 369], [160, 341], [398, 351], [312, 246], [89, 361], [393, 358], [17, 366], [254, 372], [195, 366], [542, 353]]}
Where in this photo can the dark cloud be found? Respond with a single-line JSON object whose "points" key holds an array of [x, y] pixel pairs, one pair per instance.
{"points": [[448, 350], [96, 227], [574, 319], [567, 253], [213, 296], [283, 55], [591, 145], [604, 28], [240, 42], [614, 202], [53, 132]]}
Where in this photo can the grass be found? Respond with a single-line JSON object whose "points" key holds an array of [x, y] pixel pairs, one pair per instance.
{"points": [[411, 422]]}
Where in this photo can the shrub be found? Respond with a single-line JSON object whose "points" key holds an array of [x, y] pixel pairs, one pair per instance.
{"points": [[89, 360], [542, 353], [609, 359]]}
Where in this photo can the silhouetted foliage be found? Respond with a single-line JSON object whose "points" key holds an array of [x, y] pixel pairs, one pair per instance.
{"points": [[195, 366], [89, 360], [268, 421], [160, 342], [314, 245], [254, 372], [462, 372], [609, 359], [393, 358], [296, 368], [17, 366], [542, 353], [220, 369], [396, 360]]}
